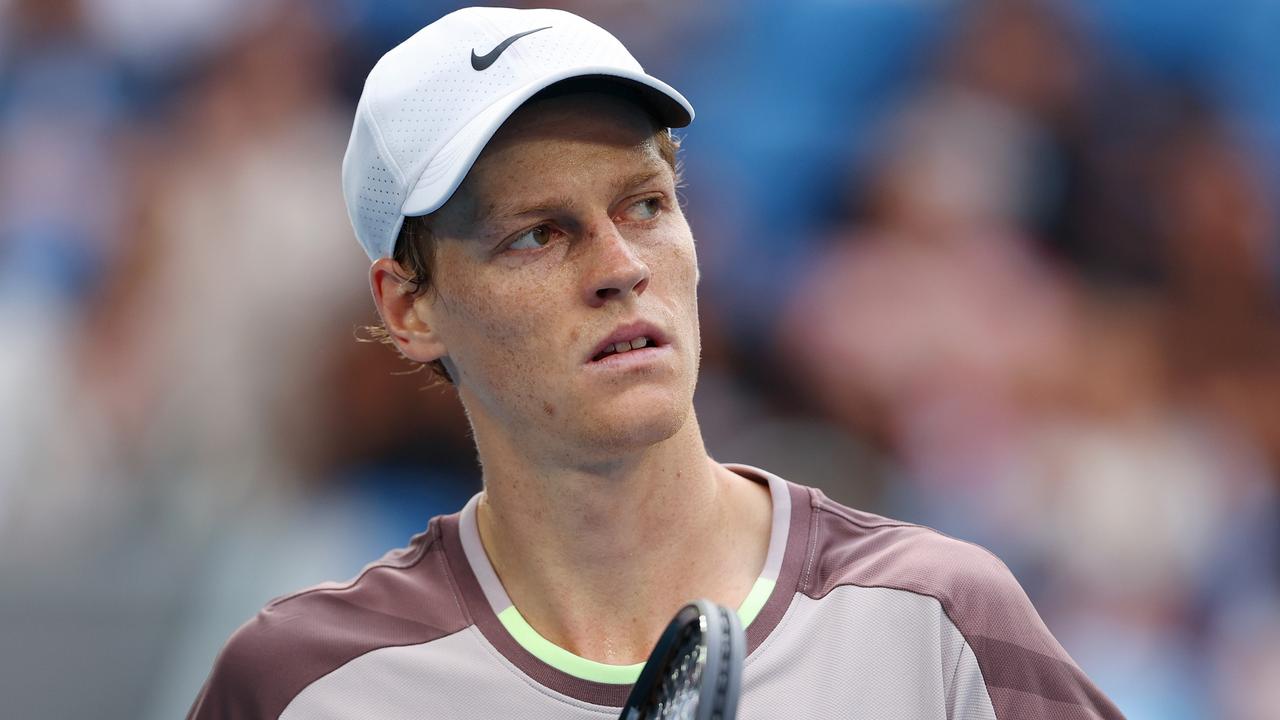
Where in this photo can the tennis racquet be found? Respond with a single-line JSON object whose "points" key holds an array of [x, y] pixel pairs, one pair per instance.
{"points": [[695, 670]]}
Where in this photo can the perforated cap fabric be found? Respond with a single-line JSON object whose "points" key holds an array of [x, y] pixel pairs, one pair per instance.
{"points": [[431, 103]]}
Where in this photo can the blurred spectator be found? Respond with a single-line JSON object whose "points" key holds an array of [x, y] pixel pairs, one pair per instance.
{"points": [[1219, 230], [161, 36], [61, 107], [60, 100], [243, 249], [1029, 410]]}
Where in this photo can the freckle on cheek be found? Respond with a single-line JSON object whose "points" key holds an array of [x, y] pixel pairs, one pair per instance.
{"points": [[573, 336], [548, 409]]}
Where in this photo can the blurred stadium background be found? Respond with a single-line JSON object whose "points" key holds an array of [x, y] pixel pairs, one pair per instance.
{"points": [[1007, 268]]}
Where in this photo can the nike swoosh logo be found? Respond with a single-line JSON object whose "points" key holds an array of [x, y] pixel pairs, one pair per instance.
{"points": [[481, 62]]}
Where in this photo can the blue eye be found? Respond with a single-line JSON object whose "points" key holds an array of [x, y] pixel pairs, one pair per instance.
{"points": [[646, 209], [532, 239]]}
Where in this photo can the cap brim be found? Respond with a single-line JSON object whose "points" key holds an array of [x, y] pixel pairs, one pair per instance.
{"points": [[445, 172]]}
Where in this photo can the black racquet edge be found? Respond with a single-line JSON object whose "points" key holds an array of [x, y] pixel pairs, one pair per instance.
{"points": [[695, 670]]}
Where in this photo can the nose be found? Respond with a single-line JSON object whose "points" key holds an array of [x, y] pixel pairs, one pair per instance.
{"points": [[615, 269]]}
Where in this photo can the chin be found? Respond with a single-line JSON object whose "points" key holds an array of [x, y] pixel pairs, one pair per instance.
{"points": [[633, 423]]}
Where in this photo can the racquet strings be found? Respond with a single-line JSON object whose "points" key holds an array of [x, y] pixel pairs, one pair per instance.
{"points": [[677, 694], [694, 671]]}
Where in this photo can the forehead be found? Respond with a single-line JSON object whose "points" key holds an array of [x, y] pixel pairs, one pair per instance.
{"points": [[567, 143]]}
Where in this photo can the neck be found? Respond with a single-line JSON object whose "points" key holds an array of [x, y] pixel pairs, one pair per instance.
{"points": [[598, 557]]}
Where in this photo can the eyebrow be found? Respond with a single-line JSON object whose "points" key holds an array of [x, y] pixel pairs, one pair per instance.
{"points": [[498, 211]]}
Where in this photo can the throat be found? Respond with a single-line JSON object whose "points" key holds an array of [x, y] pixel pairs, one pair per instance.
{"points": [[599, 574]]}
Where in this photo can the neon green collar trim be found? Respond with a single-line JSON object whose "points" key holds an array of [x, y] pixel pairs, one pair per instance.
{"points": [[755, 600], [582, 668], [561, 659]]}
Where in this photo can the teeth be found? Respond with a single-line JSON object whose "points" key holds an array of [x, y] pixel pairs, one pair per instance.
{"points": [[626, 346]]}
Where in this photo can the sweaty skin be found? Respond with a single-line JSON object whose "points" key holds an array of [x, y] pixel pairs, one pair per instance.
{"points": [[602, 512]]}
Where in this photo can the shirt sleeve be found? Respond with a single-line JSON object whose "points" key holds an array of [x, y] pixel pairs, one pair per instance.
{"points": [[1010, 658], [240, 686]]}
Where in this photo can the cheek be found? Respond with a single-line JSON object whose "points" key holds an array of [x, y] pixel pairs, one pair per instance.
{"points": [[497, 339], [693, 273], [678, 264], [675, 282]]}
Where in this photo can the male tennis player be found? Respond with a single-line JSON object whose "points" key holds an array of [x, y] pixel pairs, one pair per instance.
{"points": [[512, 177]]}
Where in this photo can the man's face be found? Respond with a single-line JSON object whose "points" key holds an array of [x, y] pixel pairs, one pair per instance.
{"points": [[565, 237]]}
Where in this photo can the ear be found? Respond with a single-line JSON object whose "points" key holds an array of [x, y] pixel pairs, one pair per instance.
{"points": [[406, 315]]}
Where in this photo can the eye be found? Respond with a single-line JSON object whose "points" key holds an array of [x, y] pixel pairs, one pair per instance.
{"points": [[645, 209], [532, 239]]}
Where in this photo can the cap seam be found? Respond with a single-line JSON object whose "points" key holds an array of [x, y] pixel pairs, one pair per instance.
{"points": [[384, 150]]}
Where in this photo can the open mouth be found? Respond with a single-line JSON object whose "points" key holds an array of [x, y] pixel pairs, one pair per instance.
{"points": [[624, 347], [638, 336]]}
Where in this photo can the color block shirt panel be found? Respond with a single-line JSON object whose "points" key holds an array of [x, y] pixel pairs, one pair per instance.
{"points": [[457, 676], [867, 618], [407, 598], [865, 653], [1022, 669]]}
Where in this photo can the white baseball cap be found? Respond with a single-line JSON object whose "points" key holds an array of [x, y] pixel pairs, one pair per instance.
{"points": [[431, 104]]}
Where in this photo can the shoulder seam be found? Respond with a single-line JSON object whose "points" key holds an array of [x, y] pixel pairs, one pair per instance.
{"points": [[937, 598], [966, 637], [366, 653], [827, 506], [833, 509], [955, 671], [433, 530], [946, 613], [811, 543], [454, 590]]}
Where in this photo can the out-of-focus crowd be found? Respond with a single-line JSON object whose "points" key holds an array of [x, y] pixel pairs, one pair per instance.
{"points": [[1004, 267]]}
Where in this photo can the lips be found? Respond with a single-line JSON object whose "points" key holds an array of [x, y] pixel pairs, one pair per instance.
{"points": [[626, 338]]}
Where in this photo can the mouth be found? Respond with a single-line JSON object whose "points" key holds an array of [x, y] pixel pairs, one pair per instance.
{"points": [[623, 347], [627, 339]]}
